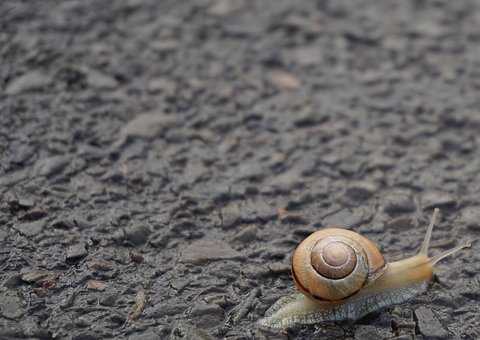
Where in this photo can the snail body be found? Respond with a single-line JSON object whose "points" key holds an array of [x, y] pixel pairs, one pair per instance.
{"points": [[342, 275]]}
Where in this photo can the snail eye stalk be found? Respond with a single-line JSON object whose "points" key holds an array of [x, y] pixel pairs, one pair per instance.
{"points": [[428, 236]]}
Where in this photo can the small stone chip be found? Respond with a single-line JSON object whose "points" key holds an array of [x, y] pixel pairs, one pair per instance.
{"points": [[30, 229], [51, 166], [96, 285], [13, 281], [101, 80], [429, 325], [76, 251], [360, 190], [35, 276], [100, 265], [137, 234], [10, 305], [438, 199], [149, 125], [348, 217], [398, 202], [208, 250], [246, 234], [284, 80], [31, 81]]}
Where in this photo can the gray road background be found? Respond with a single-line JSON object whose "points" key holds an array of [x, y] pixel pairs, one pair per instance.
{"points": [[173, 153]]}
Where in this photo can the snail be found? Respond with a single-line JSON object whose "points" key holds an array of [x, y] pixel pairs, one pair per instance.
{"points": [[341, 275]]}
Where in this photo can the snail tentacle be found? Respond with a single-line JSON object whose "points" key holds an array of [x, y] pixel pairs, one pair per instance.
{"points": [[426, 242], [428, 234], [434, 260]]}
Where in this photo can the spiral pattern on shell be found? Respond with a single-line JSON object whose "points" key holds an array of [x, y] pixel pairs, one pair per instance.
{"points": [[334, 263]]}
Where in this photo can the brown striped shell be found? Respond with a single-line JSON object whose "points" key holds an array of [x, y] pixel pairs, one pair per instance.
{"points": [[333, 264]]}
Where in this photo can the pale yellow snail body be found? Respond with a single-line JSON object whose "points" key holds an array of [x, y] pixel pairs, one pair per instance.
{"points": [[342, 275]]}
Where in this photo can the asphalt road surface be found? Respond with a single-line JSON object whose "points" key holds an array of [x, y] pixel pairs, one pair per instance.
{"points": [[160, 160]]}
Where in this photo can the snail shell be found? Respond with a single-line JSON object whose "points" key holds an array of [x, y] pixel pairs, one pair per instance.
{"points": [[334, 263]]}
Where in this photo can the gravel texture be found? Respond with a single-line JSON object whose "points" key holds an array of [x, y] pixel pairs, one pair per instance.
{"points": [[160, 160]]}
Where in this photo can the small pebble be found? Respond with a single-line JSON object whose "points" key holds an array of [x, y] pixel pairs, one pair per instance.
{"points": [[26, 203], [258, 210], [10, 305], [69, 222], [31, 228], [231, 215], [381, 162], [13, 281], [137, 234], [284, 80], [100, 265], [348, 217], [162, 85], [438, 199], [82, 321], [222, 8], [31, 81], [360, 190], [35, 275], [51, 166], [163, 46], [402, 223], [307, 118], [256, 272], [166, 309], [279, 268], [96, 285], [246, 234], [136, 257], [286, 181], [33, 330], [204, 251], [76, 251], [307, 56], [100, 80], [398, 202], [149, 125], [109, 300], [429, 325], [34, 214]]}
